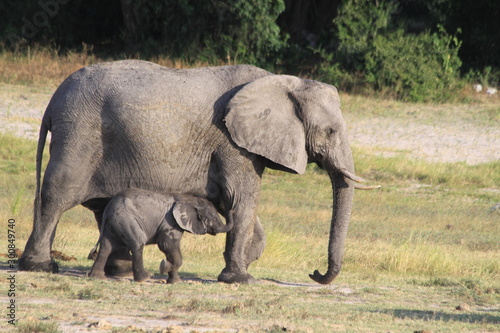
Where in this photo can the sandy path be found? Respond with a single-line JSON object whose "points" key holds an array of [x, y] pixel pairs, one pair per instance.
{"points": [[21, 109]]}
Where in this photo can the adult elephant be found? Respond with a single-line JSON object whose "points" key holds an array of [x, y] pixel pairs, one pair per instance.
{"points": [[207, 131]]}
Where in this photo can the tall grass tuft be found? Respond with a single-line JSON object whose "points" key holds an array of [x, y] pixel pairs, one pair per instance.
{"points": [[45, 66], [38, 327], [400, 168], [412, 226]]}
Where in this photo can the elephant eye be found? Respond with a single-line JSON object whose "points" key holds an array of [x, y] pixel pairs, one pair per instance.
{"points": [[330, 132]]}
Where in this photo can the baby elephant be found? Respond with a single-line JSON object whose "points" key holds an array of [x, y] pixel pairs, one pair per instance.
{"points": [[136, 217]]}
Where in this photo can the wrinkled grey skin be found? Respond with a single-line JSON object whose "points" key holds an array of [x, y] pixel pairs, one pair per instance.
{"points": [[206, 131], [136, 217]]}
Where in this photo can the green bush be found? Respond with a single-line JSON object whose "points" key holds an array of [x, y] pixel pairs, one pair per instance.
{"points": [[194, 30], [358, 24], [374, 54], [255, 36], [236, 31], [417, 68]]}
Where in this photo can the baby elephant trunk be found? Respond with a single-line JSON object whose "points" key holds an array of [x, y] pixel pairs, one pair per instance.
{"points": [[229, 223]]}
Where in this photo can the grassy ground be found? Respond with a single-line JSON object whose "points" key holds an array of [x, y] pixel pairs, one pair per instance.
{"points": [[419, 247]]}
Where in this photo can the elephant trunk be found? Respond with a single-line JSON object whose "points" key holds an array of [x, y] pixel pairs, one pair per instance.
{"points": [[343, 193], [229, 223]]}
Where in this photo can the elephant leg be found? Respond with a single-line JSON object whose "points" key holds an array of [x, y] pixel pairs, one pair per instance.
{"points": [[245, 241], [165, 266], [98, 217], [172, 251], [36, 255], [256, 248], [119, 262], [63, 188], [105, 249], [140, 273], [239, 251]]}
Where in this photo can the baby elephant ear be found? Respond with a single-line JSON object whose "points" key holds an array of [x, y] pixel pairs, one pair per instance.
{"points": [[262, 118], [186, 216]]}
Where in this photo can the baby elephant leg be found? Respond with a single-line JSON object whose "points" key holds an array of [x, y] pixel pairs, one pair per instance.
{"points": [[165, 267], [140, 273], [105, 249], [172, 251]]}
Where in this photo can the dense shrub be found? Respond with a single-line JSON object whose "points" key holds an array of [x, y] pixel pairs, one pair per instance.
{"points": [[254, 36], [358, 24], [416, 68], [375, 54], [209, 31], [243, 31], [398, 48]]}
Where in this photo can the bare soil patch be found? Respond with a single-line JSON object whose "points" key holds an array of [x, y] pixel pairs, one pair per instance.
{"points": [[442, 140]]}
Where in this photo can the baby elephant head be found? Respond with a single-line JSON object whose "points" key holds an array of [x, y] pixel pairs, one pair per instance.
{"points": [[199, 216]]}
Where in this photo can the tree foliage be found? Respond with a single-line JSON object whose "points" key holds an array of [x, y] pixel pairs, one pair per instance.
{"points": [[358, 25], [417, 68], [375, 51], [218, 29], [411, 47]]}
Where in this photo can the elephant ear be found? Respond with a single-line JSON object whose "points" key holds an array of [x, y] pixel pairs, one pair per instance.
{"points": [[262, 119], [186, 216]]}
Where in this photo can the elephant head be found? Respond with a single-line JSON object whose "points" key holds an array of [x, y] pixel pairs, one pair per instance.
{"points": [[199, 216], [292, 122]]}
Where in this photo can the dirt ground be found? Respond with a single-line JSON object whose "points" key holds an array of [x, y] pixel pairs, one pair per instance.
{"points": [[83, 316], [21, 110]]}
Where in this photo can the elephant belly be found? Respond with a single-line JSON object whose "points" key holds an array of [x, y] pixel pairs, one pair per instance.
{"points": [[149, 144], [179, 177]]}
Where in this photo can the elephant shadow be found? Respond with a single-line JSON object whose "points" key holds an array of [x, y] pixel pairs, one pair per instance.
{"points": [[445, 317], [82, 270]]}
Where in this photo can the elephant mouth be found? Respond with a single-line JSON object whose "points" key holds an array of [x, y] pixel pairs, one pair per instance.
{"points": [[320, 165], [356, 179], [343, 171]]}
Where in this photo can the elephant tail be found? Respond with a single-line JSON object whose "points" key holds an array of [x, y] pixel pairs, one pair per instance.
{"points": [[44, 129], [93, 253]]}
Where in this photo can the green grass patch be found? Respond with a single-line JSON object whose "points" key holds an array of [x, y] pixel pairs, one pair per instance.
{"points": [[38, 327], [426, 237], [427, 219], [392, 171]]}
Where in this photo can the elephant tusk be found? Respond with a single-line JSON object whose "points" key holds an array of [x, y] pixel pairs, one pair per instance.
{"points": [[352, 176], [366, 187]]}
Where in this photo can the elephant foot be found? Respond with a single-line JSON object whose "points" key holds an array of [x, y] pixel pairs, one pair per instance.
{"points": [[28, 264], [119, 268], [96, 275], [172, 280], [139, 277], [232, 277], [119, 264]]}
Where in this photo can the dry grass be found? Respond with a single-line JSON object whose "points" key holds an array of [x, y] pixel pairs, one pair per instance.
{"points": [[418, 224], [487, 114], [399, 240], [43, 67], [417, 248]]}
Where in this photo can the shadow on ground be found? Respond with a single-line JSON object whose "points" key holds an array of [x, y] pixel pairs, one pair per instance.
{"points": [[443, 316]]}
